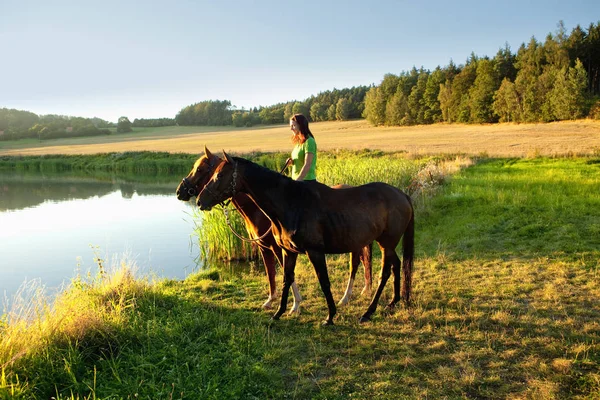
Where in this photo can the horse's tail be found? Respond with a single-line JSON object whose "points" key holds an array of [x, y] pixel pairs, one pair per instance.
{"points": [[366, 256], [408, 247]]}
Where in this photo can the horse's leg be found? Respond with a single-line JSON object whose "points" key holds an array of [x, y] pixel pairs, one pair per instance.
{"points": [[397, 278], [289, 264], [385, 275], [269, 260], [297, 296], [317, 259], [408, 248], [365, 257], [297, 299], [354, 261]]}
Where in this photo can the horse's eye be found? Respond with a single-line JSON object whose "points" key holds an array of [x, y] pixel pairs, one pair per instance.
{"points": [[219, 175]]}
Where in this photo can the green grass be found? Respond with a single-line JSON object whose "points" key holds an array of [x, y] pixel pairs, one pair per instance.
{"points": [[515, 208], [502, 309], [144, 162], [348, 167]]}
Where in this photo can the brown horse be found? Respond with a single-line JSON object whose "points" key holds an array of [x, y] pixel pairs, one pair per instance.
{"points": [[314, 219], [257, 224]]}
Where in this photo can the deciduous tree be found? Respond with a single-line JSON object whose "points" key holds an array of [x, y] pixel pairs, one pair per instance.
{"points": [[124, 125]]}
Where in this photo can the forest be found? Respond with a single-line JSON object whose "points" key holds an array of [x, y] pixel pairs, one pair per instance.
{"points": [[557, 79]]}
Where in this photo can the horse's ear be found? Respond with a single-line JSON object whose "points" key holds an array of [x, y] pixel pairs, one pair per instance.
{"points": [[206, 152], [227, 157]]}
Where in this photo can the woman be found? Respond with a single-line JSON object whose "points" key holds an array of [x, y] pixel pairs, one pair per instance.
{"points": [[304, 154]]}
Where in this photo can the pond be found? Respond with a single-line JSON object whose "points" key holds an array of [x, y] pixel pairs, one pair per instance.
{"points": [[53, 227]]}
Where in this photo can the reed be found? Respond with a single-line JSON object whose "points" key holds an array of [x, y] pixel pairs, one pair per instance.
{"points": [[418, 177], [216, 239]]}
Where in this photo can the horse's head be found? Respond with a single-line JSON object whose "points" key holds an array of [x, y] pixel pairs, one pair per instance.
{"points": [[193, 183], [222, 185]]}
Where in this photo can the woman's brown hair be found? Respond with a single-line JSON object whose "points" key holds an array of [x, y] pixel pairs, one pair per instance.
{"points": [[302, 122]]}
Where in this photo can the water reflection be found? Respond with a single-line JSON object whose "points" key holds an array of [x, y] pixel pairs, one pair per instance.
{"points": [[20, 190], [54, 225]]}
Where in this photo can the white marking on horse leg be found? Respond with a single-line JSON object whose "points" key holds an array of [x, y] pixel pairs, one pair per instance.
{"points": [[346, 299], [297, 299], [366, 290], [269, 303]]}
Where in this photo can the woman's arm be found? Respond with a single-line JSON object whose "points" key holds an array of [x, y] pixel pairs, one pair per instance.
{"points": [[308, 158]]}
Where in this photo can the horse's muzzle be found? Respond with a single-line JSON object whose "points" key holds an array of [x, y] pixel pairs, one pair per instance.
{"points": [[181, 195], [203, 207]]}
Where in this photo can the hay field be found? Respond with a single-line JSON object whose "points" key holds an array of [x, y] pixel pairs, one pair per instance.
{"points": [[496, 140]]}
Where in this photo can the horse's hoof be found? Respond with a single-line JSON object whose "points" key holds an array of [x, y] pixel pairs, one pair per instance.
{"points": [[294, 311], [327, 322], [275, 317], [364, 319], [342, 302], [267, 306], [391, 306]]}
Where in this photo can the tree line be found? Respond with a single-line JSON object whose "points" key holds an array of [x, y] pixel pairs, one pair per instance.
{"points": [[152, 122], [555, 80], [546, 81], [18, 124], [331, 105]]}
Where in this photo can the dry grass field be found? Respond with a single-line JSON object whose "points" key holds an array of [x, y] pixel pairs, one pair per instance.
{"points": [[497, 140]]}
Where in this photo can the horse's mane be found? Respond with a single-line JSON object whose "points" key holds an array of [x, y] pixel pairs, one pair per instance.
{"points": [[261, 172]]}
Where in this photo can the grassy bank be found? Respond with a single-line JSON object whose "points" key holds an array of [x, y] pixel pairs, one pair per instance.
{"points": [[506, 288], [128, 162]]}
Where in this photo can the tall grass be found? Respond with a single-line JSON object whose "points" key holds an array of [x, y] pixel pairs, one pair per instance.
{"points": [[113, 335], [417, 177], [51, 338], [358, 168], [145, 162], [216, 239]]}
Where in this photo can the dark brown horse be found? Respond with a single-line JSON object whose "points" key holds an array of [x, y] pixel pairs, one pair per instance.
{"points": [[314, 219], [257, 224]]}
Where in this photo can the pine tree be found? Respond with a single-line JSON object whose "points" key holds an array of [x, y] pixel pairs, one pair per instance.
{"points": [[318, 112], [342, 110], [375, 103], [529, 65], [287, 111], [416, 103], [396, 110], [481, 94], [504, 64], [331, 113], [567, 98], [445, 99], [301, 108], [506, 102], [459, 104], [433, 112]]}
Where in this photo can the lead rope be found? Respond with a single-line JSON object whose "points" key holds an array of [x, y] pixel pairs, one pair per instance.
{"points": [[226, 210]]}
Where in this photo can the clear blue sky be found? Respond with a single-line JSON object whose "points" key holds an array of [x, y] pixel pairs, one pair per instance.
{"points": [[149, 59]]}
